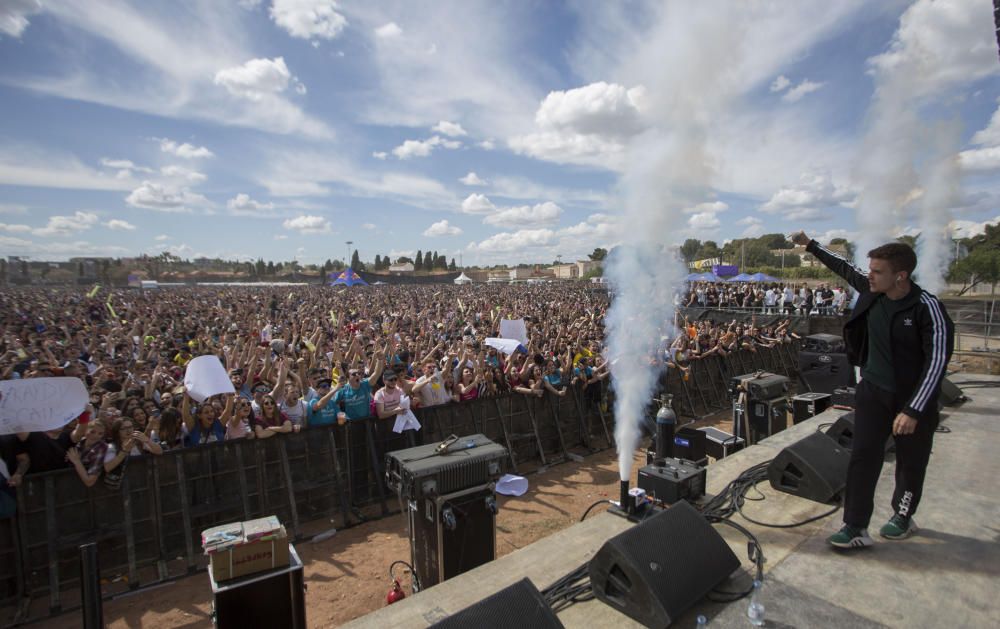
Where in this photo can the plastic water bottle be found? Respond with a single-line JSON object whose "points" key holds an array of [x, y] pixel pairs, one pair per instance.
{"points": [[701, 621], [755, 610]]}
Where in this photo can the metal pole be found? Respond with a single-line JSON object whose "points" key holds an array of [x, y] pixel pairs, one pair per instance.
{"points": [[90, 586]]}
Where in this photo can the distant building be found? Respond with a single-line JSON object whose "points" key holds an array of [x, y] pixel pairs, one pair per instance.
{"points": [[405, 267], [574, 270]]}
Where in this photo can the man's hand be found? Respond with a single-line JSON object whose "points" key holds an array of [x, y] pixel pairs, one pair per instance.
{"points": [[800, 238], [904, 425]]}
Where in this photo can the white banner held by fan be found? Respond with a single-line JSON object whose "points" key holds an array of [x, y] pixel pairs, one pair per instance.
{"points": [[37, 404], [205, 376], [514, 329]]}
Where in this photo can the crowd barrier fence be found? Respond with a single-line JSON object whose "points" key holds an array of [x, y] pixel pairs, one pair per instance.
{"points": [[148, 529]]}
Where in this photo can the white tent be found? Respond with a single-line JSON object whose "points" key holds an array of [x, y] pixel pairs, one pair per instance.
{"points": [[463, 279]]}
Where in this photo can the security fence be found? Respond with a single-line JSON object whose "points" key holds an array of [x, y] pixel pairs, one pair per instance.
{"points": [[148, 529]]}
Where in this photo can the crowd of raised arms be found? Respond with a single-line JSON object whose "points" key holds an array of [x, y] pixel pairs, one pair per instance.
{"points": [[303, 356]]}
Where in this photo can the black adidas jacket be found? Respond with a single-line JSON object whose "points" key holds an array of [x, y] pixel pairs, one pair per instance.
{"points": [[923, 337]]}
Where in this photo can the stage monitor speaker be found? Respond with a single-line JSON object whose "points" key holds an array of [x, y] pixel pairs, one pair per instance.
{"points": [[950, 393], [842, 431], [657, 569], [814, 468], [822, 373], [514, 607]]}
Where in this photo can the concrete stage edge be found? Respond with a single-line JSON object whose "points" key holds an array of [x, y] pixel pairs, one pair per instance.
{"points": [[948, 575]]}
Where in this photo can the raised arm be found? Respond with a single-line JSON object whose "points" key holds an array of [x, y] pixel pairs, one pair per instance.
{"points": [[840, 265]]}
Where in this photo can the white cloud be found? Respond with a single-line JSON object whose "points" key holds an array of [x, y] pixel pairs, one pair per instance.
{"points": [[795, 94], [806, 200], [987, 156], [487, 145], [477, 204], [180, 172], [423, 148], [989, 135], [754, 226], [389, 30], [452, 129], [185, 150], [368, 226], [67, 225], [472, 179], [703, 221], [155, 196], [257, 78], [15, 228], [281, 236], [125, 167], [120, 225], [442, 228], [507, 242], [249, 5], [161, 238], [780, 83], [14, 16], [380, 155], [243, 205], [8, 208], [539, 215], [586, 125], [28, 165], [968, 229], [307, 225], [306, 19], [940, 44], [708, 206]]}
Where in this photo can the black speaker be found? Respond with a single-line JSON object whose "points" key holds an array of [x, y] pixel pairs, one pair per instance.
{"points": [[814, 468], [656, 570], [842, 431], [823, 343], [950, 393], [515, 607], [822, 372]]}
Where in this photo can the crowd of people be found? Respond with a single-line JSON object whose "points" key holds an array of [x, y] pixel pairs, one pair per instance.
{"points": [[770, 298], [304, 356]]}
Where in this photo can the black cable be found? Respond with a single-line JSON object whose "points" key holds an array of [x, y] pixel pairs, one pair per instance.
{"points": [[413, 574], [587, 512], [790, 525]]}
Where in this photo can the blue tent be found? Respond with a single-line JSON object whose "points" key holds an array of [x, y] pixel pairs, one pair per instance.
{"points": [[763, 277], [348, 278], [742, 277], [692, 277], [709, 277]]}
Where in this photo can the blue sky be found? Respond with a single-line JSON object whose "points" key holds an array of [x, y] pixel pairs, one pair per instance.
{"points": [[489, 132]]}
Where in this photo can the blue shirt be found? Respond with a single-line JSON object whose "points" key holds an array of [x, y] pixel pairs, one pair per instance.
{"points": [[326, 416], [356, 402]]}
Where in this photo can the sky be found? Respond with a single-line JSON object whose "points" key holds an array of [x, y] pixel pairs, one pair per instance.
{"points": [[489, 132]]}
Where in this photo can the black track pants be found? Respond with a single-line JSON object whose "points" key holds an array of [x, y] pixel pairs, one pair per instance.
{"points": [[875, 411]]}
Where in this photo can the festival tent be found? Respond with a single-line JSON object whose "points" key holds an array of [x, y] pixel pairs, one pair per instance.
{"points": [[742, 277], [763, 277], [348, 278], [692, 277], [463, 279], [709, 277]]}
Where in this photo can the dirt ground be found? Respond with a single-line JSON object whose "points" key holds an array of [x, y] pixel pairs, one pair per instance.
{"points": [[347, 574]]}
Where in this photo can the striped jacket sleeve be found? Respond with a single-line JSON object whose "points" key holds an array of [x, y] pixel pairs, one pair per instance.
{"points": [[840, 265], [937, 334]]}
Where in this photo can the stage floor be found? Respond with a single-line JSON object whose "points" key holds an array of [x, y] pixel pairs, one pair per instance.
{"points": [[948, 575]]}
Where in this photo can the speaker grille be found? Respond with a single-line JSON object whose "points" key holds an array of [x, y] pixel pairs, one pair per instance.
{"points": [[518, 606], [814, 468], [659, 568]]}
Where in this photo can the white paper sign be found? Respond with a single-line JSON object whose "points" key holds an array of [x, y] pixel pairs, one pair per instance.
{"points": [[514, 329], [506, 346], [37, 404], [406, 421], [205, 376]]}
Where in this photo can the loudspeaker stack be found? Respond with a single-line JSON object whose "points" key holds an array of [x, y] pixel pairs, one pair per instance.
{"points": [[823, 364]]}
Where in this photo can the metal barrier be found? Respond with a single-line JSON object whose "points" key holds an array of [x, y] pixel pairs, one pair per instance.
{"points": [[148, 529]]}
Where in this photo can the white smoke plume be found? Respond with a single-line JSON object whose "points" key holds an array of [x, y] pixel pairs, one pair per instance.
{"points": [[907, 169], [667, 170]]}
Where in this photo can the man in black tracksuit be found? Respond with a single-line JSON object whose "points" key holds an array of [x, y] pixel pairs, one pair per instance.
{"points": [[902, 338]]}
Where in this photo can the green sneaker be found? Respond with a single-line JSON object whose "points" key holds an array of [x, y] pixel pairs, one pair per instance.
{"points": [[898, 527], [850, 537]]}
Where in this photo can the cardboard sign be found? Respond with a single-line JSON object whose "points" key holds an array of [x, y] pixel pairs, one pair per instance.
{"points": [[38, 404], [514, 329], [205, 376]]}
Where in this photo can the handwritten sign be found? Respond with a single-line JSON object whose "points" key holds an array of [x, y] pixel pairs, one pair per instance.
{"points": [[205, 376], [37, 404]]}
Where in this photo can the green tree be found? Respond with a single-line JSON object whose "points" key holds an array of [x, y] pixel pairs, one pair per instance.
{"points": [[452, 267], [709, 249], [418, 263], [848, 246], [355, 261], [270, 268], [690, 247], [378, 261], [598, 254], [777, 241]]}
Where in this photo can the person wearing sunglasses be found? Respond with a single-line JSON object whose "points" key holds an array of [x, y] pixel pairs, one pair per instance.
{"points": [[321, 411]]}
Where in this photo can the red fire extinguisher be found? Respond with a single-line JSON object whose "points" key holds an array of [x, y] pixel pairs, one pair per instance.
{"points": [[395, 594]]}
